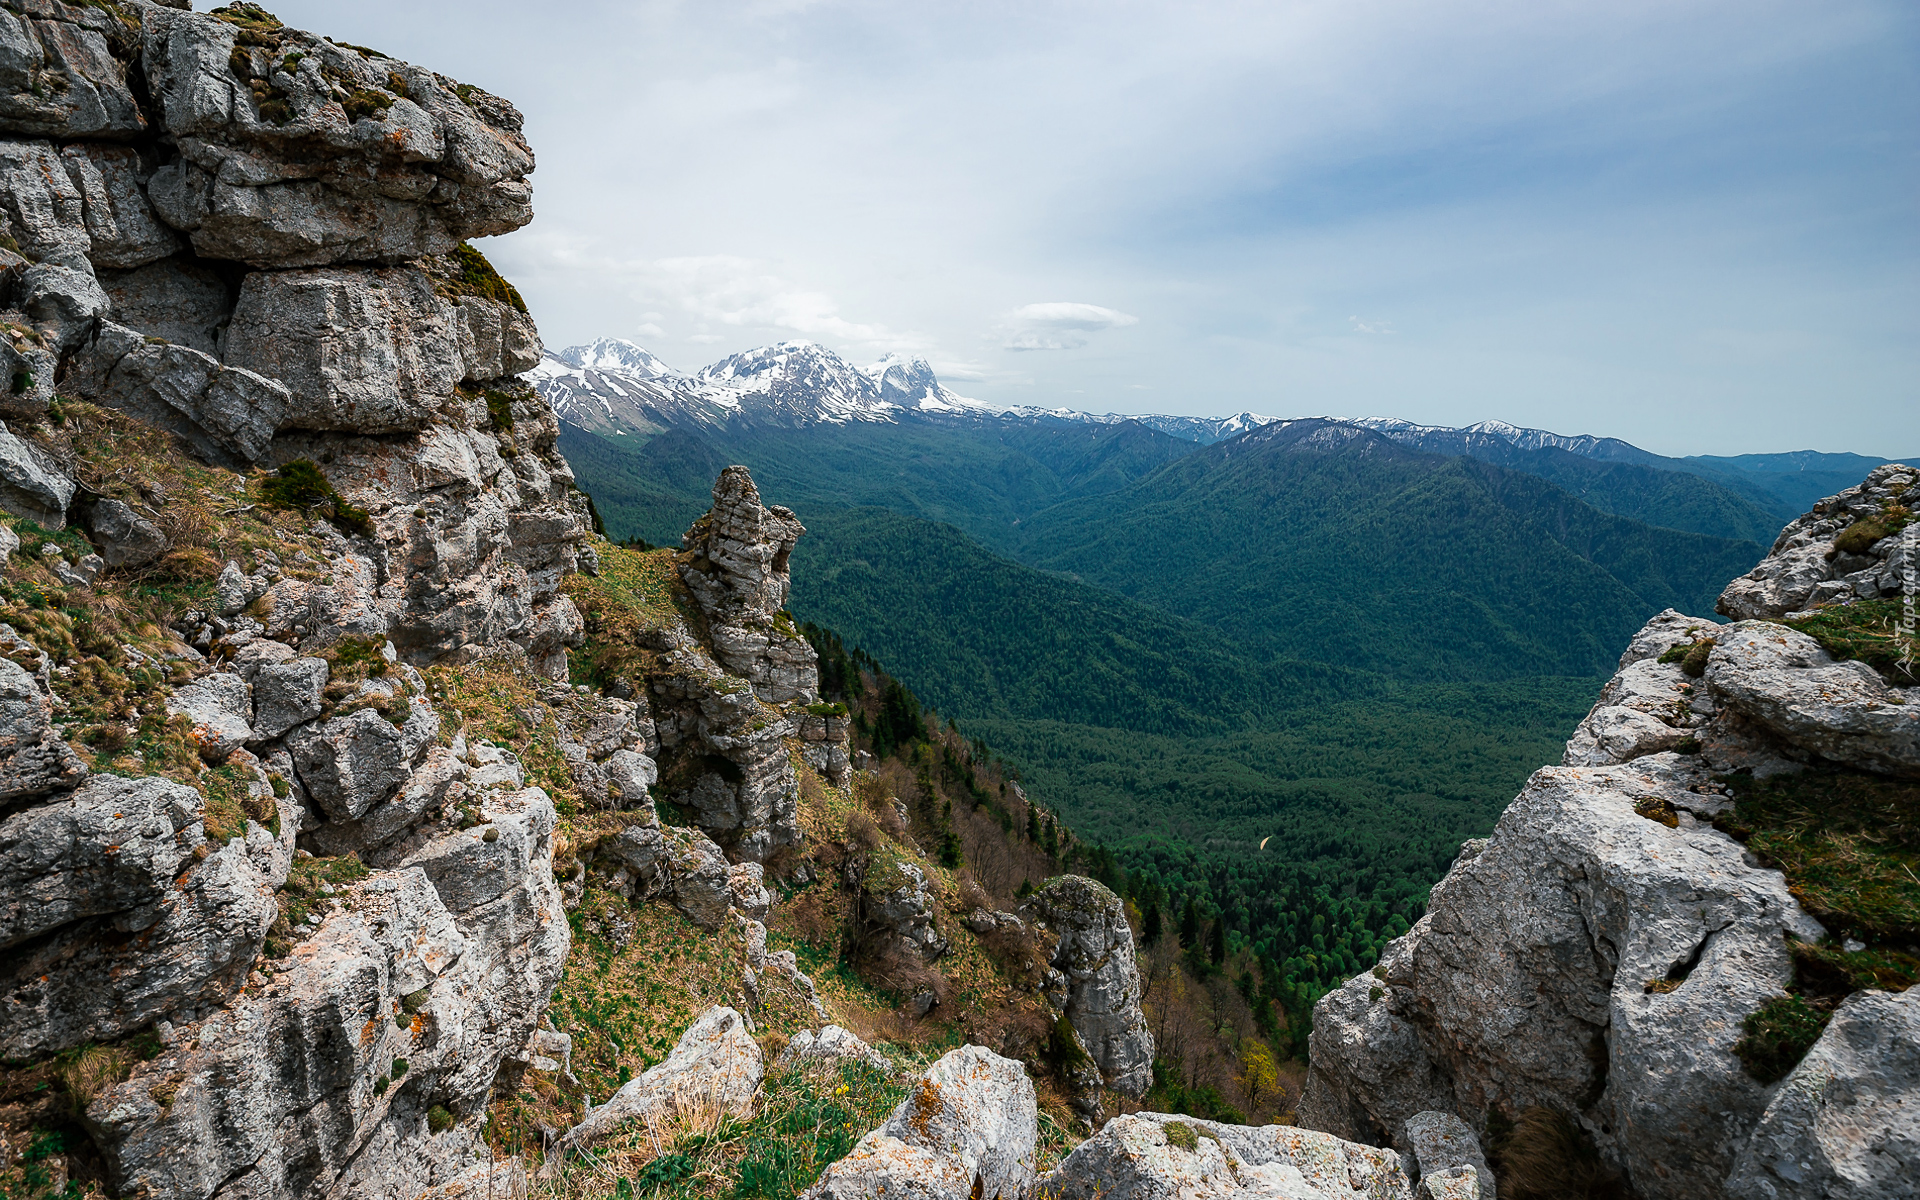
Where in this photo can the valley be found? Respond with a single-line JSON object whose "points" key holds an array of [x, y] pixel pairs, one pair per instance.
{"points": [[1257, 660]]}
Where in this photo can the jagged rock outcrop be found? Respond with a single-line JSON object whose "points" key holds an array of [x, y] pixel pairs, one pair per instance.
{"points": [[1847, 548], [966, 1131], [714, 1069], [736, 567], [1093, 949], [1599, 954], [896, 906], [1158, 1156], [729, 716]]}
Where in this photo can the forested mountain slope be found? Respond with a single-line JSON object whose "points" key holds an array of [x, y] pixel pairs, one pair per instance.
{"points": [[1314, 539]]}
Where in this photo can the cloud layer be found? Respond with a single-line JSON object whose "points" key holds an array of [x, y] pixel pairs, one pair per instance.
{"points": [[1685, 222]]}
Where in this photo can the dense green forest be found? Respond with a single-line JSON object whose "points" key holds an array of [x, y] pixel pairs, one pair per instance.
{"points": [[1271, 684], [1361, 552]]}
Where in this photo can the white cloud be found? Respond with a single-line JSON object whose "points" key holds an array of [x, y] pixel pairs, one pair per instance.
{"points": [[1370, 326], [649, 329], [1059, 324]]}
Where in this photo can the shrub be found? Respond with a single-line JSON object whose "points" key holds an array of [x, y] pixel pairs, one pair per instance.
{"points": [[1778, 1036], [301, 485], [439, 1120], [500, 410]]}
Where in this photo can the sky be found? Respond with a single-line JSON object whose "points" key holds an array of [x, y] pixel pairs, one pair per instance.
{"points": [[1686, 223]]}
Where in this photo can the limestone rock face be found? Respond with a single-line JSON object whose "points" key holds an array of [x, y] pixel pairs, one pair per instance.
{"points": [[423, 164], [1846, 1122], [898, 905], [1525, 983], [276, 1092], [1806, 567], [115, 844], [1599, 953], [362, 350], [1160, 1156], [714, 1067], [724, 755], [63, 72], [1095, 952], [228, 413], [680, 865], [736, 567], [33, 760], [220, 706], [967, 1129], [351, 763], [189, 947]]}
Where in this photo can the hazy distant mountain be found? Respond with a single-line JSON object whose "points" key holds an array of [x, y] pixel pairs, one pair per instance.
{"points": [[620, 390]]}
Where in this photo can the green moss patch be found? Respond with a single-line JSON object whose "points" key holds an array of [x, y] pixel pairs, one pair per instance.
{"points": [[1778, 1036], [1859, 537], [1868, 630], [473, 275], [1848, 843]]}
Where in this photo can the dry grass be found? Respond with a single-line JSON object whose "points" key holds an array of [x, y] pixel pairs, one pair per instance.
{"points": [[1545, 1156]]}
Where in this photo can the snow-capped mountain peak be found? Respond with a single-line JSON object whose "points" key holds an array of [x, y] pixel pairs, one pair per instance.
{"points": [[617, 354]]}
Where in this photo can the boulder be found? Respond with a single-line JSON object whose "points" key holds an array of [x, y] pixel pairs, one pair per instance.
{"points": [[351, 763], [967, 1129], [34, 762], [423, 163], [830, 1046], [228, 414], [33, 484], [1160, 1156], [125, 538], [287, 694], [62, 300], [714, 1069], [1449, 1156], [112, 845], [747, 890], [1842, 711], [1095, 952], [63, 73], [1846, 1122], [220, 706]]}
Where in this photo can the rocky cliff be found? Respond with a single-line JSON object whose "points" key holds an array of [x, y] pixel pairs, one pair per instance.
{"points": [[1685, 938], [288, 739]]}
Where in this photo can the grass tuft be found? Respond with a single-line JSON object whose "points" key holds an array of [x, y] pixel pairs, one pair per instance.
{"points": [[1778, 1036]]}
